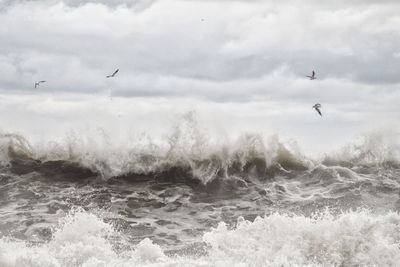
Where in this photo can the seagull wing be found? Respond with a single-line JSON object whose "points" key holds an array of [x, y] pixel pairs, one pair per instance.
{"points": [[318, 110], [313, 74], [317, 105], [115, 72], [42, 81], [112, 75]]}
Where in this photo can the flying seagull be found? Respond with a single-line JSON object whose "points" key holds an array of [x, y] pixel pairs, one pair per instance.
{"points": [[112, 75], [38, 83], [312, 77], [317, 108]]}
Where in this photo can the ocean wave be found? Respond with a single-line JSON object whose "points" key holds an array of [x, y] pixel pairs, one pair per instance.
{"points": [[376, 148], [357, 238], [178, 159], [187, 154], [350, 239]]}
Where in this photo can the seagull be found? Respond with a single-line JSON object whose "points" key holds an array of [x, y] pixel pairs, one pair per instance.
{"points": [[312, 77], [112, 75], [38, 83], [317, 108]]}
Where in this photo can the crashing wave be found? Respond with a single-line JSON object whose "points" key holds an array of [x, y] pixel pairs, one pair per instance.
{"points": [[373, 149], [357, 238], [187, 154], [179, 160]]}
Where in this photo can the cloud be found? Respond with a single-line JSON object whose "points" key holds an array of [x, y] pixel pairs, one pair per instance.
{"points": [[241, 64], [215, 50], [138, 5]]}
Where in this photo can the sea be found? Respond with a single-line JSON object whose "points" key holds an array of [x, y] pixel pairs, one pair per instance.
{"points": [[188, 200]]}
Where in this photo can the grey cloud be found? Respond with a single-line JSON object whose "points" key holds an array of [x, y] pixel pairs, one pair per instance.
{"points": [[136, 4], [241, 52]]}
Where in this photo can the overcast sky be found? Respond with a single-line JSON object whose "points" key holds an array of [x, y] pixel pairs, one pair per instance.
{"points": [[251, 55]]}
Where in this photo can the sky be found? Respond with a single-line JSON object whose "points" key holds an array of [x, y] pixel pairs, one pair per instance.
{"points": [[240, 65]]}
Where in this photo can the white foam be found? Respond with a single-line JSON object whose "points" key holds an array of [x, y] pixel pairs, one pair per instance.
{"points": [[146, 251], [351, 239], [187, 145]]}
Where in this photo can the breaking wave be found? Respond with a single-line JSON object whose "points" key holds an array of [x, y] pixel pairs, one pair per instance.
{"points": [[378, 148], [114, 222], [357, 238], [187, 154], [250, 155]]}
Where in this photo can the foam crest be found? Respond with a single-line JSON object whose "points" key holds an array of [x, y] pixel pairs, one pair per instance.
{"points": [[188, 149], [381, 148], [357, 238], [148, 252], [351, 239], [190, 152], [82, 236], [81, 239]]}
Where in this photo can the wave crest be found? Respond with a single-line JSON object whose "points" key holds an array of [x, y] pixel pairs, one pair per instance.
{"points": [[181, 159], [379, 148], [357, 238], [351, 239], [187, 154]]}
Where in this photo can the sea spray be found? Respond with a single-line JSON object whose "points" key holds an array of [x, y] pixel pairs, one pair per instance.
{"points": [[358, 238]]}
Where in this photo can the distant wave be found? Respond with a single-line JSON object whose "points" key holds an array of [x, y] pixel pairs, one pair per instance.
{"points": [[187, 156]]}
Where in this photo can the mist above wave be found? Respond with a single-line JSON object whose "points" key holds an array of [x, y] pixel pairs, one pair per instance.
{"points": [[381, 148]]}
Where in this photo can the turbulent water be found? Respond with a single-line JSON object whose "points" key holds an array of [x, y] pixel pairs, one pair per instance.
{"points": [[189, 201]]}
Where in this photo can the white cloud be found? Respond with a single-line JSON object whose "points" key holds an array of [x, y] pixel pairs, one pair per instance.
{"points": [[224, 52]]}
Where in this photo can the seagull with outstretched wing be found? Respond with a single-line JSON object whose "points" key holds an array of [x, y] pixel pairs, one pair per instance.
{"points": [[112, 75], [38, 83], [312, 77], [318, 107]]}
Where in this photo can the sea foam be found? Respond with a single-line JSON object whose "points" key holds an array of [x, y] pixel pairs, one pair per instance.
{"points": [[357, 238]]}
